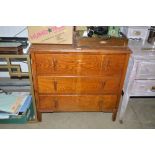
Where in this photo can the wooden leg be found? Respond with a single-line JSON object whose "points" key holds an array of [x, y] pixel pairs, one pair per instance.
{"points": [[39, 116], [114, 114], [123, 107]]}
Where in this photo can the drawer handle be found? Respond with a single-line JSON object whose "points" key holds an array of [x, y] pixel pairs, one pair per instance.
{"points": [[55, 103], [55, 85], [106, 65], [54, 64], [153, 89], [103, 84]]}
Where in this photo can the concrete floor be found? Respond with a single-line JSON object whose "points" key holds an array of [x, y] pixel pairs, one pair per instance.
{"points": [[140, 114]]}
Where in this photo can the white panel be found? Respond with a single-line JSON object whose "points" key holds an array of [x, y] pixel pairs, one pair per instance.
{"points": [[144, 87], [146, 70]]}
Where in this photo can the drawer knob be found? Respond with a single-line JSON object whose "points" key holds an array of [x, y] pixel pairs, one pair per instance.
{"points": [[54, 64], [106, 65], [153, 89], [55, 83], [103, 84]]}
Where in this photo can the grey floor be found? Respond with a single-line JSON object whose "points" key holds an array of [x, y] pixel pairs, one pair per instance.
{"points": [[140, 114]]}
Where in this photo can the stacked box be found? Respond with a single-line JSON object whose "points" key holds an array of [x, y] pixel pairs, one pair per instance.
{"points": [[28, 115]]}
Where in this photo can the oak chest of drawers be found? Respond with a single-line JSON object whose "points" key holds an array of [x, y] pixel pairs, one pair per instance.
{"points": [[72, 78]]}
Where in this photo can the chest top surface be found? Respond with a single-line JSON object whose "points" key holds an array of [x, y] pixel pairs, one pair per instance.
{"points": [[84, 45]]}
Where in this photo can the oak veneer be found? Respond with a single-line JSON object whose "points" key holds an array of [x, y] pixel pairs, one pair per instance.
{"points": [[79, 64], [77, 85], [49, 103], [79, 78]]}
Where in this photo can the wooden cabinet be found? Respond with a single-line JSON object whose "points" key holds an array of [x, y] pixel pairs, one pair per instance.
{"points": [[67, 78]]}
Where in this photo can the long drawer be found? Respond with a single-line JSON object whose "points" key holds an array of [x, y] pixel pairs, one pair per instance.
{"points": [[143, 87], [146, 70], [76, 64], [77, 85], [49, 103]]}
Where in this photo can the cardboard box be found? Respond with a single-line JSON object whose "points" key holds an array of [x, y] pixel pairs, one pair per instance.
{"points": [[50, 34], [81, 28]]}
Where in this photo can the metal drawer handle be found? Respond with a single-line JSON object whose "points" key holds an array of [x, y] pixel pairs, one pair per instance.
{"points": [[153, 89], [55, 64], [55, 83]]}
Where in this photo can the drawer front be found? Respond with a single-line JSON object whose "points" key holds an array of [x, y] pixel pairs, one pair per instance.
{"points": [[67, 64], [77, 103], [56, 85], [75, 64], [98, 85], [146, 70], [112, 64], [144, 87], [77, 85]]}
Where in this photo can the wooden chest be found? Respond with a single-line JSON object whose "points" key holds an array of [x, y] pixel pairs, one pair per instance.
{"points": [[78, 78]]}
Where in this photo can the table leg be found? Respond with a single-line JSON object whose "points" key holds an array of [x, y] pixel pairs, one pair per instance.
{"points": [[125, 100]]}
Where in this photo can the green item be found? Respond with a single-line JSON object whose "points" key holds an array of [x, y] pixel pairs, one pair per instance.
{"points": [[114, 31]]}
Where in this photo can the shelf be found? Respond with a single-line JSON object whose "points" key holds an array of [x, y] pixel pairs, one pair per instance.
{"points": [[17, 81]]}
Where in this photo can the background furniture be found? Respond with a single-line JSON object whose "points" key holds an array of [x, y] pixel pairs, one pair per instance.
{"points": [[140, 77], [136, 32], [85, 76], [15, 72]]}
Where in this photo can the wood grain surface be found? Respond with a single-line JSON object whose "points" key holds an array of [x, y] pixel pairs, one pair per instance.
{"points": [[78, 77]]}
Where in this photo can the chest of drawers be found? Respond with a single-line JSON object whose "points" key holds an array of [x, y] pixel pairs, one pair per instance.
{"points": [[67, 78]]}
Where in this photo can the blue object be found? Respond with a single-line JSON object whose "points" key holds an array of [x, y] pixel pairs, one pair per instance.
{"points": [[11, 103], [26, 104], [20, 119]]}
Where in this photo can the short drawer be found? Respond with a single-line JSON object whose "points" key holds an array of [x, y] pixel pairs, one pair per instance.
{"points": [[76, 64], [143, 87], [56, 85], [77, 85], [76, 103], [146, 70], [112, 65]]}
